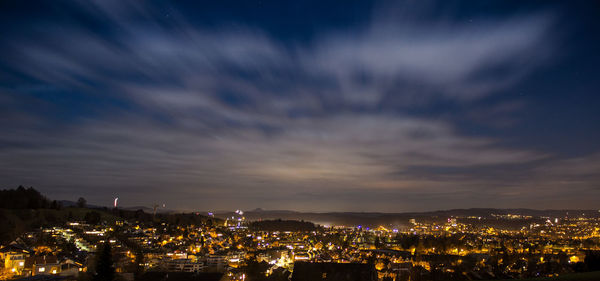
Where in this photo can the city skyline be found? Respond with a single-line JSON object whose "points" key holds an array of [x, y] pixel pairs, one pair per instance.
{"points": [[311, 106]]}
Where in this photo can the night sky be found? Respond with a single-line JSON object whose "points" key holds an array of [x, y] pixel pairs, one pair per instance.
{"points": [[303, 105]]}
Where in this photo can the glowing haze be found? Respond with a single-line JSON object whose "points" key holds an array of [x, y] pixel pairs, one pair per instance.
{"points": [[370, 106]]}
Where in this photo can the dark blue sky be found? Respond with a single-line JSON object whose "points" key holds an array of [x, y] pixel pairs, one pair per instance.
{"points": [[305, 105]]}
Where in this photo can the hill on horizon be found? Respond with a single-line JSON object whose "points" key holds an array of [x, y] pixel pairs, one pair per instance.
{"points": [[373, 219]]}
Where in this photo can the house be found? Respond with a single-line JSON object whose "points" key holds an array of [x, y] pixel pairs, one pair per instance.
{"points": [[13, 257], [184, 265], [42, 265], [216, 262], [70, 268]]}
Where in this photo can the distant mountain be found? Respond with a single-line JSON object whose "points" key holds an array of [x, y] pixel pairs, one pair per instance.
{"points": [[372, 219], [150, 210]]}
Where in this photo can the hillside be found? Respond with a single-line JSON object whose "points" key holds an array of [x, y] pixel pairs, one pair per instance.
{"points": [[374, 219], [18, 221], [25, 209]]}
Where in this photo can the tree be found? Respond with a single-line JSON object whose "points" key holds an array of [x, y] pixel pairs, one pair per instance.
{"points": [[255, 271], [139, 214], [139, 261], [105, 270], [592, 260], [92, 217], [23, 198], [81, 202], [55, 205]]}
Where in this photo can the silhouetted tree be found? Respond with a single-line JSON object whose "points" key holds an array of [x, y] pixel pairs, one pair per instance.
{"points": [[55, 205], [255, 271], [105, 270], [81, 202], [92, 217], [592, 260], [279, 274], [139, 214], [138, 267], [23, 198]]}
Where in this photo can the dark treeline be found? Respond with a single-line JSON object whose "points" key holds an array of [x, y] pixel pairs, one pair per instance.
{"points": [[25, 209], [282, 225], [29, 198], [25, 198]]}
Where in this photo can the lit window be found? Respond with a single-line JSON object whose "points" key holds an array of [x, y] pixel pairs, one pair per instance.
{"points": [[42, 269], [21, 263]]}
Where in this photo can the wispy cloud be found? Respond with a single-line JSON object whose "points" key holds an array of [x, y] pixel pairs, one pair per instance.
{"points": [[215, 112]]}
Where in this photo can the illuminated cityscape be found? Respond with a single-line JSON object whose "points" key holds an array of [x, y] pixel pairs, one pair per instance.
{"points": [[492, 244], [308, 140]]}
